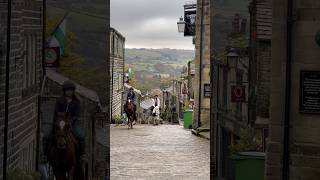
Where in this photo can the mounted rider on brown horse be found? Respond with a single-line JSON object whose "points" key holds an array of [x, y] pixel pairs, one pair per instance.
{"points": [[127, 110], [65, 145]]}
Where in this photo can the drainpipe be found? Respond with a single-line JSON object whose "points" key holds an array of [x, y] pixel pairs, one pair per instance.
{"points": [[6, 118], [286, 133], [42, 81], [111, 95], [200, 72]]}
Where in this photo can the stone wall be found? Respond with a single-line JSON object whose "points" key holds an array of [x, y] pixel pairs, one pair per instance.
{"points": [[263, 79], [117, 67], [26, 45], [304, 138], [204, 68]]}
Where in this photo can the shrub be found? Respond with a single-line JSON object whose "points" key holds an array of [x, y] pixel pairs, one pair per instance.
{"points": [[247, 142], [18, 174]]}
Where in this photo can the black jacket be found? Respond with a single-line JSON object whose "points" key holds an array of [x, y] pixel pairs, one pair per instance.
{"points": [[131, 95], [73, 108]]}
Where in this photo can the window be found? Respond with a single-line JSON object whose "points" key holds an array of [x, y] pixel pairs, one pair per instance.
{"points": [[29, 61]]}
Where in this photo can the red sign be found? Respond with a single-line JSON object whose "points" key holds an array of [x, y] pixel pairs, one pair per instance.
{"points": [[52, 55], [238, 93]]}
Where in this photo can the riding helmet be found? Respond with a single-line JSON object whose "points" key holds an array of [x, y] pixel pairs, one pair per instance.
{"points": [[68, 85]]}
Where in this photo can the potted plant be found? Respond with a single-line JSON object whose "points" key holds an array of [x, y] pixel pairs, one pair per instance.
{"points": [[248, 156], [116, 119]]}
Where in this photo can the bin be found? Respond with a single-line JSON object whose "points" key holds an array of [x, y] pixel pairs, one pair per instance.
{"points": [[249, 165], [187, 119]]}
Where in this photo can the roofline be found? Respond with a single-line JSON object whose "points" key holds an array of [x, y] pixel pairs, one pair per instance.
{"points": [[117, 32]]}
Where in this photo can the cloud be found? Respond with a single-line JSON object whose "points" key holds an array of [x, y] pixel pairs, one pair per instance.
{"points": [[150, 23]]}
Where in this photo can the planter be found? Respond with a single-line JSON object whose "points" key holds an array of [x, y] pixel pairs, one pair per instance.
{"points": [[187, 119], [249, 165]]}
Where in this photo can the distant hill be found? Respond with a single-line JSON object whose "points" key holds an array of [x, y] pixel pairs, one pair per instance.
{"points": [[154, 56]]}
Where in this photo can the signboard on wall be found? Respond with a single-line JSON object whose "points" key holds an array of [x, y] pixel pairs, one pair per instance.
{"points": [[309, 92], [238, 93], [52, 56], [207, 90]]}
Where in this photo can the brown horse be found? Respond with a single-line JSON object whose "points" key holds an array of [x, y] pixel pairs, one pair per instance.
{"points": [[130, 113], [63, 151]]}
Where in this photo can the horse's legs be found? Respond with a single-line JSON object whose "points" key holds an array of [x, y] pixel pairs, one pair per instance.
{"points": [[59, 175], [71, 173]]}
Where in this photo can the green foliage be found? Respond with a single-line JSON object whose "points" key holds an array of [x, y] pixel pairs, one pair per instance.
{"points": [[247, 142], [117, 119], [18, 174]]}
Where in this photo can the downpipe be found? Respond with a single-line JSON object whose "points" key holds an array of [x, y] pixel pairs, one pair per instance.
{"points": [[286, 127], [200, 72], [7, 85]]}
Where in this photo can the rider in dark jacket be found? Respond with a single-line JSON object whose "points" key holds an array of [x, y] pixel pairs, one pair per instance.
{"points": [[131, 96], [70, 104]]}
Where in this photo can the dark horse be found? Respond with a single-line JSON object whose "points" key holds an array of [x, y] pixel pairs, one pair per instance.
{"points": [[130, 111], [63, 151]]}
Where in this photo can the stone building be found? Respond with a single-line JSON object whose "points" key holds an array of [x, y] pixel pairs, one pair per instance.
{"points": [[92, 119], [117, 44], [25, 78], [260, 65], [229, 80], [294, 144], [201, 113]]}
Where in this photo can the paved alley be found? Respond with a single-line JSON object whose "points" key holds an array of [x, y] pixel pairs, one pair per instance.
{"points": [[166, 152]]}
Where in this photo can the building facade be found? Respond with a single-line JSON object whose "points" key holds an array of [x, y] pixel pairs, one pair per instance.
{"points": [[294, 143], [117, 62], [201, 112], [25, 78]]}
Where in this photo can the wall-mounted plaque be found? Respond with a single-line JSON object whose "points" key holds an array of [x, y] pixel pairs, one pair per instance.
{"points": [[310, 92], [207, 90]]}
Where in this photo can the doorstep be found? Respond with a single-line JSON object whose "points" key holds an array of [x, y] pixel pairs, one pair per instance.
{"points": [[203, 134]]}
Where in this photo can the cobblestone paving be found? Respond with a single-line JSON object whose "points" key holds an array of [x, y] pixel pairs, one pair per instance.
{"points": [[164, 152]]}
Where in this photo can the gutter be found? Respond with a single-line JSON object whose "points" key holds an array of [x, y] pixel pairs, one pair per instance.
{"points": [[7, 85], [286, 127], [200, 72]]}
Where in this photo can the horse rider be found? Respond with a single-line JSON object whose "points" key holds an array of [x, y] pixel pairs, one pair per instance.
{"points": [[70, 104], [131, 96], [156, 108]]}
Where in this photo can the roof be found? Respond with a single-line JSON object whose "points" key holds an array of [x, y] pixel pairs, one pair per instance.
{"points": [[264, 19], [117, 32], [81, 90], [127, 86]]}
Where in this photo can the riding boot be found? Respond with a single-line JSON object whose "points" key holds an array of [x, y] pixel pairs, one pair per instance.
{"points": [[82, 151]]}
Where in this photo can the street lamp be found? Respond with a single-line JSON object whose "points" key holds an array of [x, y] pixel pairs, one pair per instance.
{"points": [[232, 58], [181, 25]]}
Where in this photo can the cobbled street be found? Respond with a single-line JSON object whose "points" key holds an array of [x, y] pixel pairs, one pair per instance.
{"points": [[166, 152]]}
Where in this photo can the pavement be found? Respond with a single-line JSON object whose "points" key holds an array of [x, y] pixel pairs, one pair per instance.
{"points": [[164, 152]]}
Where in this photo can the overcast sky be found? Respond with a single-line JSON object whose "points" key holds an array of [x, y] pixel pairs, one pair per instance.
{"points": [[150, 23]]}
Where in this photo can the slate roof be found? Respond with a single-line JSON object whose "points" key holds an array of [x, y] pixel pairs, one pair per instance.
{"points": [[81, 90], [264, 19], [127, 86]]}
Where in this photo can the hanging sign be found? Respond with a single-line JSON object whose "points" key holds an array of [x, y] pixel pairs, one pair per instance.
{"points": [[190, 12], [52, 56], [310, 92], [238, 93]]}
